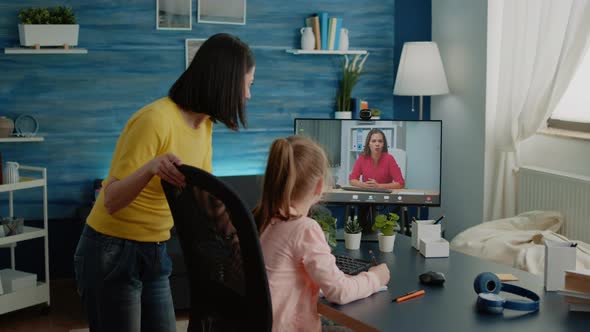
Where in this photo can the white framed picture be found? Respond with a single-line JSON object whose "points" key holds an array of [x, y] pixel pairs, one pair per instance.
{"points": [[191, 46], [221, 11], [174, 15]]}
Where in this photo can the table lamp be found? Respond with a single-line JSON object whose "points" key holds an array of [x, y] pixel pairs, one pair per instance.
{"points": [[420, 72]]}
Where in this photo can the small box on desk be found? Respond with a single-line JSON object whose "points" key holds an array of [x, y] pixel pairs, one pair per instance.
{"points": [[424, 229], [559, 257], [13, 280], [431, 248]]}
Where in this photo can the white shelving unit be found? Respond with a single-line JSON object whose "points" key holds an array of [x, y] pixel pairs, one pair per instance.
{"points": [[39, 294], [25, 50], [21, 139], [325, 52]]}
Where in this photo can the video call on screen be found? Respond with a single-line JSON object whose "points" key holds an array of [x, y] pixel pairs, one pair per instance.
{"points": [[414, 145]]}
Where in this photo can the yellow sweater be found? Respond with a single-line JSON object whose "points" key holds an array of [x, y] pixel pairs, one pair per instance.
{"points": [[155, 129]]}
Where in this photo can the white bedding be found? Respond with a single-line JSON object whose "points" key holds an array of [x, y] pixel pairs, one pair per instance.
{"points": [[518, 241]]}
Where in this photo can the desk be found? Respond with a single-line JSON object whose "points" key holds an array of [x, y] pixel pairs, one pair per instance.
{"points": [[447, 308]]}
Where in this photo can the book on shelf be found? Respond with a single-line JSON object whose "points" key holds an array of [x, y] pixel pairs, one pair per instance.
{"points": [[332, 33], [315, 26], [337, 34], [577, 280], [324, 30]]}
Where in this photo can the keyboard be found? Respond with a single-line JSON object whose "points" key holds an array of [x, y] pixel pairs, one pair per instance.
{"points": [[367, 190], [352, 266]]}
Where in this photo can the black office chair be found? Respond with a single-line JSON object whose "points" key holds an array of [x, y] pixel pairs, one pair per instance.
{"points": [[228, 285]]}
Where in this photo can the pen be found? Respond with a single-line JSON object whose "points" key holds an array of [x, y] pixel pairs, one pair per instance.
{"points": [[408, 296], [439, 219], [373, 259]]}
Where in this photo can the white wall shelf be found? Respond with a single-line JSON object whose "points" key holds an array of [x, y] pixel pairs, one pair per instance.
{"points": [[21, 139], [24, 50], [26, 297], [325, 52]]}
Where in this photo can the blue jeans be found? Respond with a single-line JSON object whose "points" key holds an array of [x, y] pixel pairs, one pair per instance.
{"points": [[124, 284]]}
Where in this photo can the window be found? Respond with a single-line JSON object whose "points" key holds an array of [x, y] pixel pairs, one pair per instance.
{"points": [[573, 110]]}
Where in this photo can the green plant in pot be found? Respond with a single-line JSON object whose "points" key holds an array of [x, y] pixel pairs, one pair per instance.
{"points": [[351, 71], [352, 234], [323, 216], [386, 224], [49, 26]]}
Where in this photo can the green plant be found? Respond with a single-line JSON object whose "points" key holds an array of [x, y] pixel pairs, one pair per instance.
{"points": [[53, 15], [386, 223], [323, 216], [353, 226], [350, 75], [375, 112]]}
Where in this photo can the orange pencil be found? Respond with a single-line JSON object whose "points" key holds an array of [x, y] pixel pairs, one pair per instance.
{"points": [[408, 296]]}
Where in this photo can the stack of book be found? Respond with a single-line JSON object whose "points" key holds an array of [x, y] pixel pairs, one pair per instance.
{"points": [[577, 290], [326, 30]]}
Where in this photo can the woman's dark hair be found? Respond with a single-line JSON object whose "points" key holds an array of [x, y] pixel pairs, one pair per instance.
{"points": [[367, 149], [214, 83]]}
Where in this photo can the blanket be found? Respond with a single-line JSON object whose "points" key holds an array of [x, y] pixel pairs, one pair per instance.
{"points": [[518, 241]]}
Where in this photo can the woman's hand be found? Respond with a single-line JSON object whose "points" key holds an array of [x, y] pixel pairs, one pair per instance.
{"points": [[382, 272], [164, 166], [371, 183]]}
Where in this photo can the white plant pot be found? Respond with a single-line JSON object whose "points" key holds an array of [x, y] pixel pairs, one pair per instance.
{"points": [[386, 243], [352, 241], [48, 34], [342, 115]]}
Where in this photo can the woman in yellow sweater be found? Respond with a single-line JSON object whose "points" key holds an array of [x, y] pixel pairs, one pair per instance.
{"points": [[121, 263]]}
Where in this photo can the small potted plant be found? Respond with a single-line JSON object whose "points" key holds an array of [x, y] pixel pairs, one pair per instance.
{"points": [[55, 26], [352, 234], [350, 75], [375, 114], [323, 216], [386, 224]]}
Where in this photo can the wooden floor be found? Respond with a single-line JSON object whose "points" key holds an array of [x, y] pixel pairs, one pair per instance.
{"points": [[64, 314]]}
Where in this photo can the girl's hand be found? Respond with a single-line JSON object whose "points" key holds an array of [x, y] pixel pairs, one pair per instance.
{"points": [[164, 166], [382, 272]]}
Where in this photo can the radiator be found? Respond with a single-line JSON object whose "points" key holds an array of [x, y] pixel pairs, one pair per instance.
{"points": [[543, 189]]}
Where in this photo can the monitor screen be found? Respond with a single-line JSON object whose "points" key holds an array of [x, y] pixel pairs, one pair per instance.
{"points": [[400, 163]]}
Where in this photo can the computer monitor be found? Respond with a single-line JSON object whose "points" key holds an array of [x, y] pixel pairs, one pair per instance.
{"points": [[414, 145]]}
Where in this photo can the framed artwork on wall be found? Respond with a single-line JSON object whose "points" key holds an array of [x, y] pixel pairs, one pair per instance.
{"points": [[174, 14], [221, 11], [191, 46]]}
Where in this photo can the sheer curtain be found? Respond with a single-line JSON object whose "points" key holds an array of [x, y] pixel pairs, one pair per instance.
{"points": [[541, 43]]}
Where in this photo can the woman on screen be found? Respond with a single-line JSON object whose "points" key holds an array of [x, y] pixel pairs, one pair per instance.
{"points": [[377, 167]]}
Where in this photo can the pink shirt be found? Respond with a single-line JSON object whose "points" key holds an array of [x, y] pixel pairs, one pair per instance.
{"points": [[298, 263], [386, 170]]}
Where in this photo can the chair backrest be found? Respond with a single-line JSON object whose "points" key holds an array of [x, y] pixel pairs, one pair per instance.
{"points": [[228, 284]]}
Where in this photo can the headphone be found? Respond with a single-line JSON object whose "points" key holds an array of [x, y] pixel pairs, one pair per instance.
{"points": [[488, 286]]}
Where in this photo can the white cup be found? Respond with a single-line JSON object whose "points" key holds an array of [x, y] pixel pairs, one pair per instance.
{"points": [[11, 172]]}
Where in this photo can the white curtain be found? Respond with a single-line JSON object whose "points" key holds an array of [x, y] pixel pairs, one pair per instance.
{"points": [[541, 44]]}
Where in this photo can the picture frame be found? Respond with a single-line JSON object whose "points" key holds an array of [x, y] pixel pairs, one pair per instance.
{"points": [[221, 11], [191, 46], [174, 15]]}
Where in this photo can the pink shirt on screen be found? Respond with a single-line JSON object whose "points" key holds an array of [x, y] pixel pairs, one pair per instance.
{"points": [[298, 263], [386, 170]]}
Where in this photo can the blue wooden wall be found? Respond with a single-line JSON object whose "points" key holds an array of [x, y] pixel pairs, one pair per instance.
{"points": [[83, 101]]}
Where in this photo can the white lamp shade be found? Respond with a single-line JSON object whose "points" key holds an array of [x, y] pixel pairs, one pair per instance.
{"points": [[420, 71]]}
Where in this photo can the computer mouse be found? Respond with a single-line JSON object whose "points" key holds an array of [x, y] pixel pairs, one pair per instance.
{"points": [[432, 278]]}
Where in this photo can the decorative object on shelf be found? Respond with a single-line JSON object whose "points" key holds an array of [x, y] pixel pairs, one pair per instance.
{"points": [[54, 26], [420, 72], [174, 15], [6, 126], [307, 39], [10, 174], [351, 70], [221, 11], [11, 226], [323, 216], [343, 44], [191, 46], [386, 224], [352, 234], [26, 125], [365, 114], [375, 114]]}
